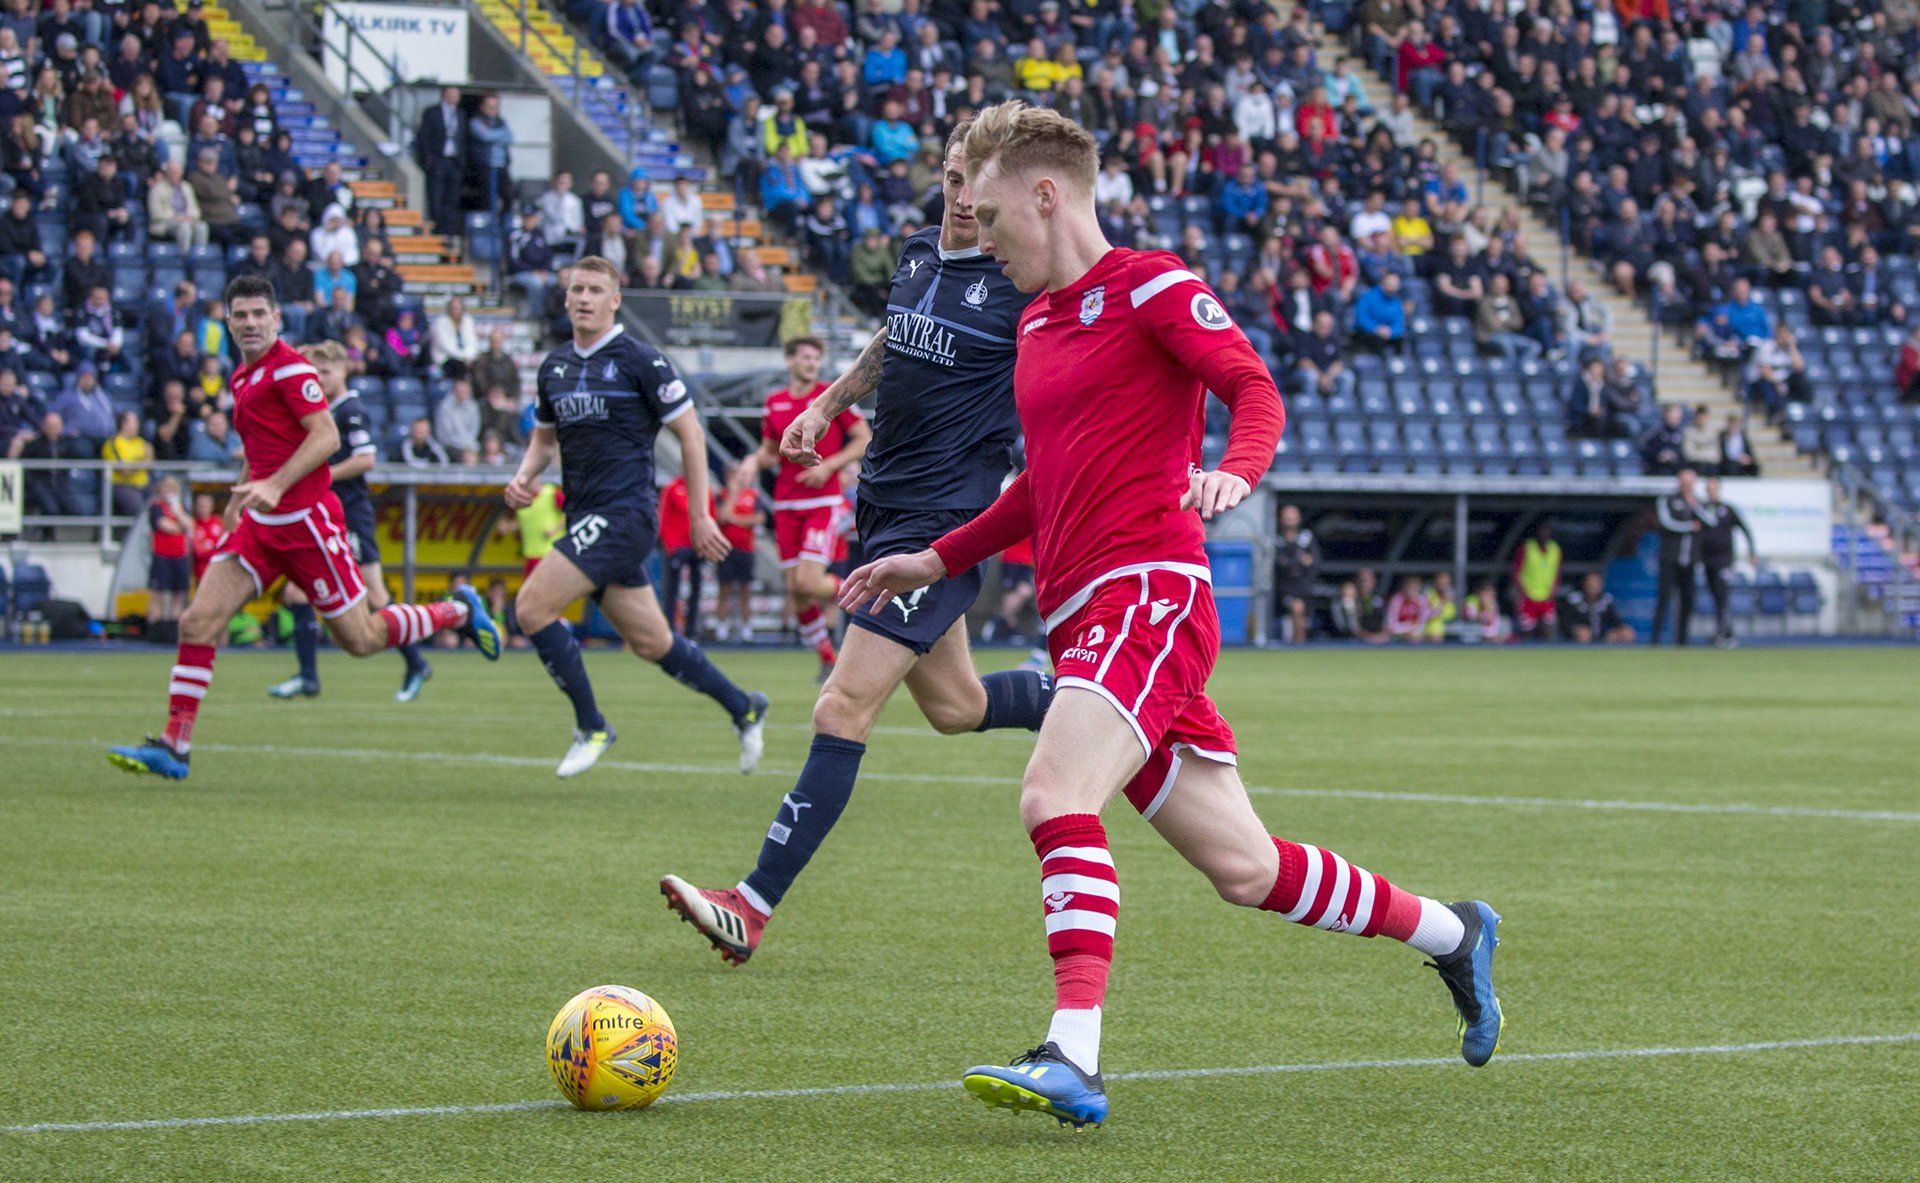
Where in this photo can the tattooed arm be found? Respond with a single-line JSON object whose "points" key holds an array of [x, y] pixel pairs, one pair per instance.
{"points": [[861, 379]]}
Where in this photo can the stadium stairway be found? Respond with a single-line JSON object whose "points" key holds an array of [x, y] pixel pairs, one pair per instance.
{"points": [[1682, 378]]}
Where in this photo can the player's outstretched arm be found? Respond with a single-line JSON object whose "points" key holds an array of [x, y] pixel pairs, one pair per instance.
{"points": [[711, 544], [525, 485], [323, 440], [895, 575], [861, 379]]}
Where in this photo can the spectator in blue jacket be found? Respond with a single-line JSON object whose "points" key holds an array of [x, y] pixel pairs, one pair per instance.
{"points": [[893, 138], [637, 202], [885, 65], [629, 36], [1242, 202], [782, 194], [1379, 317], [1734, 327]]}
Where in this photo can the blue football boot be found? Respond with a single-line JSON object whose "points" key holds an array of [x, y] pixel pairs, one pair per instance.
{"points": [[1046, 1081], [155, 756], [480, 628], [1468, 973]]}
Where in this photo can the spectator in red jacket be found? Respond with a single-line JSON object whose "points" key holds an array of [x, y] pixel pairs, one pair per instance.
{"points": [[1419, 64], [678, 557], [1331, 266], [1907, 375], [1407, 612], [1317, 114], [209, 531]]}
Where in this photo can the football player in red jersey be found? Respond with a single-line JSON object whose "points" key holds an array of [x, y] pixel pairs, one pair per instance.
{"points": [[809, 506], [1116, 354], [285, 520]]}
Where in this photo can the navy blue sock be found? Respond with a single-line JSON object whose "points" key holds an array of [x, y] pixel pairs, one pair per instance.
{"points": [[690, 667], [1016, 698], [306, 640], [560, 653], [806, 814], [415, 662]]}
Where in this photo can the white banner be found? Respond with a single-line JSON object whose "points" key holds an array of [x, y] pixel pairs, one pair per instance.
{"points": [[13, 491], [424, 44], [1789, 518]]}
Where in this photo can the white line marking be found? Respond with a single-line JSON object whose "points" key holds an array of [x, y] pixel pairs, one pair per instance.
{"points": [[850, 1090], [1876, 815], [1872, 815]]}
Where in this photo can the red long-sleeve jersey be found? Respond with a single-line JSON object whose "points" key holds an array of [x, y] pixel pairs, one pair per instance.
{"points": [[1111, 383]]}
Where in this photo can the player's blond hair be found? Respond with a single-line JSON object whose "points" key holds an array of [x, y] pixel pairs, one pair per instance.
{"points": [[331, 352], [1025, 138], [597, 264]]}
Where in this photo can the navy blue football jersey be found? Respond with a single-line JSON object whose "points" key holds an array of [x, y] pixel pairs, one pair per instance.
{"points": [[944, 422], [607, 405], [356, 439]]}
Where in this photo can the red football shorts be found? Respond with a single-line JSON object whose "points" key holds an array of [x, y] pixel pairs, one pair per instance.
{"points": [[1146, 643], [309, 547], [813, 533], [1532, 612]]}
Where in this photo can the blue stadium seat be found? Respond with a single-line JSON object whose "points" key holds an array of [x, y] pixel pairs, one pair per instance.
{"points": [[1315, 438], [166, 278], [406, 390], [1373, 399], [1410, 403], [41, 383], [405, 413], [127, 296], [1509, 404], [236, 255], [1520, 442], [211, 282], [368, 387], [1342, 404], [206, 255], [1443, 402], [1309, 403], [1476, 405], [1453, 439], [164, 252], [127, 254], [1626, 462], [1349, 437], [1418, 434], [1383, 440], [120, 387], [1772, 594]]}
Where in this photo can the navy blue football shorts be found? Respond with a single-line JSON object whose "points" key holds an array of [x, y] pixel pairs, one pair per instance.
{"points": [[358, 515], [920, 619], [610, 546]]}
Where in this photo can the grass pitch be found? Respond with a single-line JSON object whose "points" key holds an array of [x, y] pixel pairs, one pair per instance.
{"points": [[292, 932]]}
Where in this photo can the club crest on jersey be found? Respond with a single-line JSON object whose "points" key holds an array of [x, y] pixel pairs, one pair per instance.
{"points": [[608, 372], [1093, 304], [1208, 313], [310, 390], [976, 294]]}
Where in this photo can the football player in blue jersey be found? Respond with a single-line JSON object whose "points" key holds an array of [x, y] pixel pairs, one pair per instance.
{"points": [[943, 437], [357, 454], [601, 399]]}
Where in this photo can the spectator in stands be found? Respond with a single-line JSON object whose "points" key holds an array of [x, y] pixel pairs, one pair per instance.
{"points": [[456, 338], [683, 206], [1587, 322], [1536, 583], [1457, 282], [1767, 254], [86, 410], [563, 217], [436, 148], [1663, 446], [335, 236], [629, 37], [53, 491], [100, 202], [500, 416], [213, 441], [871, 272], [18, 411], [1599, 410], [173, 208], [782, 194], [21, 258], [420, 449], [1700, 443], [1735, 327], [637, 202], [294, 282], [1829, 295], [530, 258], [170, 571], [1380, 317], [406, 344], [496, 367], [1319, 361], [491, 152], [1369, 619], [84, 271], [174, 72], [1907, 375], [1778, 373], [754, 276], [127, 447], [1499, 324], [170, 428], [377, 286], [1735, 457], [334, 275], [337, 317], [98, 337]]}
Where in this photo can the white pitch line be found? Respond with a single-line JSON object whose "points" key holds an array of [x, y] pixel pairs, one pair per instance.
{"points": [[1874, 815], [847, 1090]]}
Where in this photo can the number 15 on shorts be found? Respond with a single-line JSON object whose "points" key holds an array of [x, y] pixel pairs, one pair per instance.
{"points": [[586, 531]]}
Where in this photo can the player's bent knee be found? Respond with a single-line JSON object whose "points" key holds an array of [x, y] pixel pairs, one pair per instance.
{"points": [[843, 716], [952, 718]]}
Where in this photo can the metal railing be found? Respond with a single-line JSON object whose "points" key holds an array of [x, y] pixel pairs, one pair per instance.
{"points": [[308, 30], [577, 84], [1860, 504]]}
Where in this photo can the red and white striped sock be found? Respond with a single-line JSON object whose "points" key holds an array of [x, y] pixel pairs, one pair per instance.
{"points": [[410, 624], [1080, 894], [1320, 889], [186, 686], [813, 630]]}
